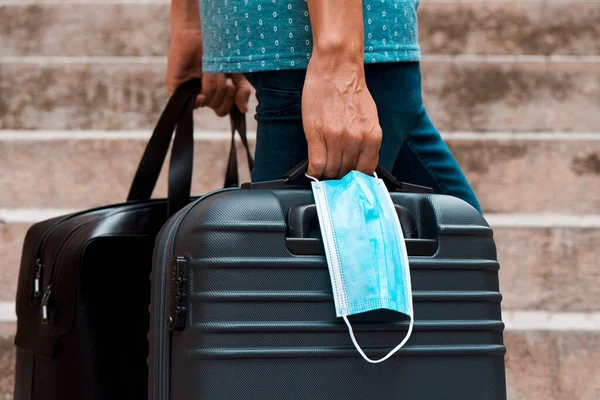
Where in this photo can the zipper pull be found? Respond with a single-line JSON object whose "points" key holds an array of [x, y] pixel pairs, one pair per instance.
{"points": [[46, 311], [38, 279]]}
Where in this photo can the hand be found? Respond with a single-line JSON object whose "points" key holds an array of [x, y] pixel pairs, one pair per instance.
{"points": [[219, 91], [340, 119]]}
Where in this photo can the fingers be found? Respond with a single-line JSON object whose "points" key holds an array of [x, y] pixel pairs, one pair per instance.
{"points": [[219, 83], [369, 154], [200, 101], [228, 101], [243, 91], [337, 154], [333, 163], [317, 157], [209, 88], [221, 91], [214, 89], [332, 155], [349, 157]]}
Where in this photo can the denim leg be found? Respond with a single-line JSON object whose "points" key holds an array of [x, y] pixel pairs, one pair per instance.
{"points": [[396, 90], [424, 159], [280, 141]]}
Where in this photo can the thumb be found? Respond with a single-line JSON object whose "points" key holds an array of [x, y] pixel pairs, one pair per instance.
{"points": [[243, 89]]}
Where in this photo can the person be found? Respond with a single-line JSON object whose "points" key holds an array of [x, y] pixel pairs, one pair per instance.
{"points": [[338, 81]]}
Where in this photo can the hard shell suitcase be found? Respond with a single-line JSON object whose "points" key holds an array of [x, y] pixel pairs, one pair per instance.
{"points": [[83, 290], [242, 307]]}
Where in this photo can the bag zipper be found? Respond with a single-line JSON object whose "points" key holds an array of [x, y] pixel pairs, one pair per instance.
{"points": [[47, 311], [37, 278], [38, 268]]}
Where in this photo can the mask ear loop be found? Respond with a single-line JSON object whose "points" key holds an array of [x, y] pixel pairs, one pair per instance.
{"points": [[312, 178], [391, 353]]}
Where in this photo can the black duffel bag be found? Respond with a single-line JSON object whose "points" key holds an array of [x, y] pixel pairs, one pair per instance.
{"points": [[84, 289]]}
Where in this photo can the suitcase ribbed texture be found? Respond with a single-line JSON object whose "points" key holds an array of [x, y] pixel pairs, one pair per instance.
{"points": [[260, 321]]}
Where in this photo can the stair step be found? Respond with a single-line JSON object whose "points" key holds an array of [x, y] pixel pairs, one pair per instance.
{"points": [[552, 365], [87, 173], [7, 360], [142, 28], [509, 27], [472, 95], [521, 96], [85, 29], [509, 176], [552, 269], [518, 176], [558, 365], [11, 248]]}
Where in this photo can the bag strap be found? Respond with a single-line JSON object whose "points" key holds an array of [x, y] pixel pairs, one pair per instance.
{"points": [[238, 124], [154, 156], [182, 161], [178, 114]]}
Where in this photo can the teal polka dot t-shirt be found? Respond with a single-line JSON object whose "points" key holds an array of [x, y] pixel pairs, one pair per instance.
{"points": [[266, 35]]}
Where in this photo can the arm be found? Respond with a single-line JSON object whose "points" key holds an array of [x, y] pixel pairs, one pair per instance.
{"points": [[185, 63], [185, 14], [185, 50], [339, 115]]}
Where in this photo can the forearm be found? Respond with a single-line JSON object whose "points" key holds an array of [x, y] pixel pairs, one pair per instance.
{"points": [[185, 14], [338, 29]]}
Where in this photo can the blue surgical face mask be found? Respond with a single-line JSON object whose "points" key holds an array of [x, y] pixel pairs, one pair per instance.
{"points": [[365, 249]]}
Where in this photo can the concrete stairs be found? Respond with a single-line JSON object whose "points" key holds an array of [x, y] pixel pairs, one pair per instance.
{"points": [[514, 86]]}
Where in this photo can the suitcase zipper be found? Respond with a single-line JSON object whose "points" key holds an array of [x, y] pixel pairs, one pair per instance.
{"points": [[159, 367], [160, 379]]}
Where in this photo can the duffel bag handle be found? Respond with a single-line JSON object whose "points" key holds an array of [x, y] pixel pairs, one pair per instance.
{"points": [[238, 124], [178, 114], [295, 174], [156, 150]]}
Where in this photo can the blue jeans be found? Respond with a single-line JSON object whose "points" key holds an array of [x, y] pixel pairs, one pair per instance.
{"points": [[411, 148]]}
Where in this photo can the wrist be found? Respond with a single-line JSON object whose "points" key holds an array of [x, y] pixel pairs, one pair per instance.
{"points": [[339, 49], [182, 25], [185, 31], [334, 65]]}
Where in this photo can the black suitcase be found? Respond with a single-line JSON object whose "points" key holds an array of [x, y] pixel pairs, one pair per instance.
{"points": [[84, 289], [242, 306]]}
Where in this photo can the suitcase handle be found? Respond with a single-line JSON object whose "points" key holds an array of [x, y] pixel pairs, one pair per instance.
{"points": [[303, 233], [302, 216], [294, 179], [178, 115]]}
